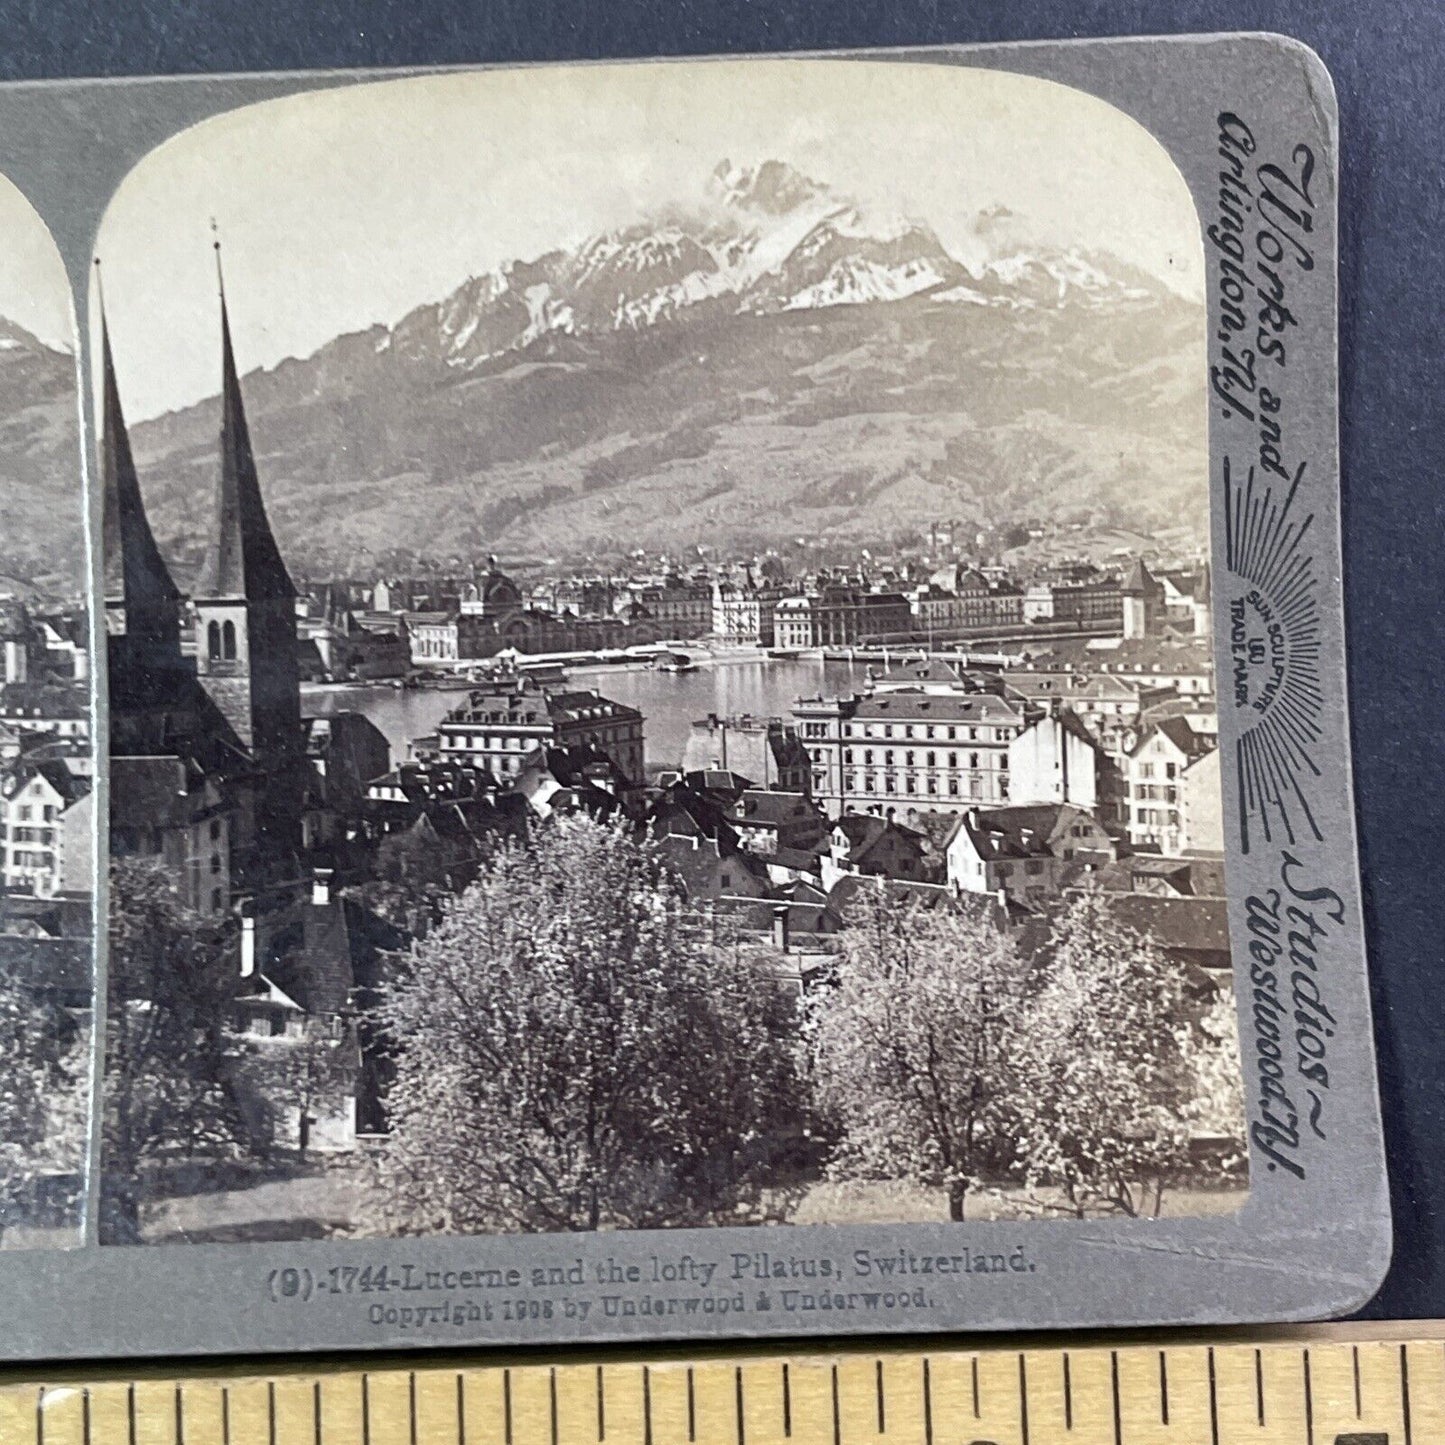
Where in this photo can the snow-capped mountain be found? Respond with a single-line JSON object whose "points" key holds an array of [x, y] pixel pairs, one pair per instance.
{"points": [[764, 239], [40, 500], [773, 359]]}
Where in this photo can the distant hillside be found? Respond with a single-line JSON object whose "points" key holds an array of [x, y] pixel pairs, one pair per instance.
{"points": [[41, 536], [777, 364]]}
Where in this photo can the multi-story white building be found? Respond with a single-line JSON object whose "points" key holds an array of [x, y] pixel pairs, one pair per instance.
{"points": [[743, 610], [501, 723], [952, 749], [1173, 800], [36, 799]]}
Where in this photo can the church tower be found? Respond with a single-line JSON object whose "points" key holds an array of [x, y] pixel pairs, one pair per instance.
{"points": [[245, 603], [142, 604]]}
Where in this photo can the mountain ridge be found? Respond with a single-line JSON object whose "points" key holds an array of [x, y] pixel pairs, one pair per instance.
{"points": [[774, 360], [41, 529]]}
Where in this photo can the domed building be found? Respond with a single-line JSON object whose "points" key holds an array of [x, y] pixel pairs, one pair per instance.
{"points": [[493, 596]]}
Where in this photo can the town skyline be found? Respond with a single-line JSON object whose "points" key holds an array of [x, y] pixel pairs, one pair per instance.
{"points": [[1026, 775]]}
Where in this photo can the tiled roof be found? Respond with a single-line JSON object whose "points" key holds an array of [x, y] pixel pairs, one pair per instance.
{"points": [[1023, 831], [1183, 925], [937, 707], [165, 792], [760, 807]]}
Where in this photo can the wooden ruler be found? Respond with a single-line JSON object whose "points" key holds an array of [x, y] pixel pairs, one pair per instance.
{"points": [[1381, 1385]]}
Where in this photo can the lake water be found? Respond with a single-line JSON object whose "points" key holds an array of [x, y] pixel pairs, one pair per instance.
{"points": [[669, 701]]}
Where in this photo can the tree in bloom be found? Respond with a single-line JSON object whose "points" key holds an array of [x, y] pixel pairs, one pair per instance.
{"points": [[1215, 1108], [44, 1089], [916, 1051], [1108, 1074], [573, 1053], [169, 1049]]}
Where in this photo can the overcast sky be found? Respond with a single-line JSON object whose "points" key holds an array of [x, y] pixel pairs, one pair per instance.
{"points": [[34, 291], [342, 208]]}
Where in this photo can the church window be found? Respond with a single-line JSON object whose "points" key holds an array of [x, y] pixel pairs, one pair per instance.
{"points": [[213, 640], [228, 640]]}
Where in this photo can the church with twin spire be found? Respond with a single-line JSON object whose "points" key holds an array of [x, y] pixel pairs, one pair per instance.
{"points": [[208, 764]]}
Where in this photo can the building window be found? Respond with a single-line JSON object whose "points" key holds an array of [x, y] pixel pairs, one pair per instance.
{"points": [[228, 641], [953, 760], [213, 640]]}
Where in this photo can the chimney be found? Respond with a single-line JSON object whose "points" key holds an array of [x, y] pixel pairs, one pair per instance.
{"points": [[248, 945], [780, 927], [321, 887]]}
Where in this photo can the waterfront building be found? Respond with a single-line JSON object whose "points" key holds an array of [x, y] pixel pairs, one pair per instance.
{"points": [[949, 749], [503, 721], [765, 750], [743, 609], [675, 607], [337, 645], [910, 748], [959, 598], [1143, 601], [1097, 603], [838, 614], [433, 637]]}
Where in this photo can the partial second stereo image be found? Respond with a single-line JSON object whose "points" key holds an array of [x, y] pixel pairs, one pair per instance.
{"points": [[47, 813]]}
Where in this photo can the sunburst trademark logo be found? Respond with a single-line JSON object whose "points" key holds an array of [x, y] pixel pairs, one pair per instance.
{"points": [[1273, 613]]}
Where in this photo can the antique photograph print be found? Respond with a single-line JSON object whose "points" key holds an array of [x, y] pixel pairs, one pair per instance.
{"points": [[659, 662], [47, 816]]}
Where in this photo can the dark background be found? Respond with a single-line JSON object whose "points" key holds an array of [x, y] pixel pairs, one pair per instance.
{"points": [[1386, 57]]}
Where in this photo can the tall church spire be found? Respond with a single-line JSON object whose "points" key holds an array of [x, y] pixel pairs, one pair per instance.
{"points": [[136, 577], [242, 560]]}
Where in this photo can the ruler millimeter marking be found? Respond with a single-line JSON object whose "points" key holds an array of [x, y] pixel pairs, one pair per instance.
{"points": [[1367, 1392]]}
